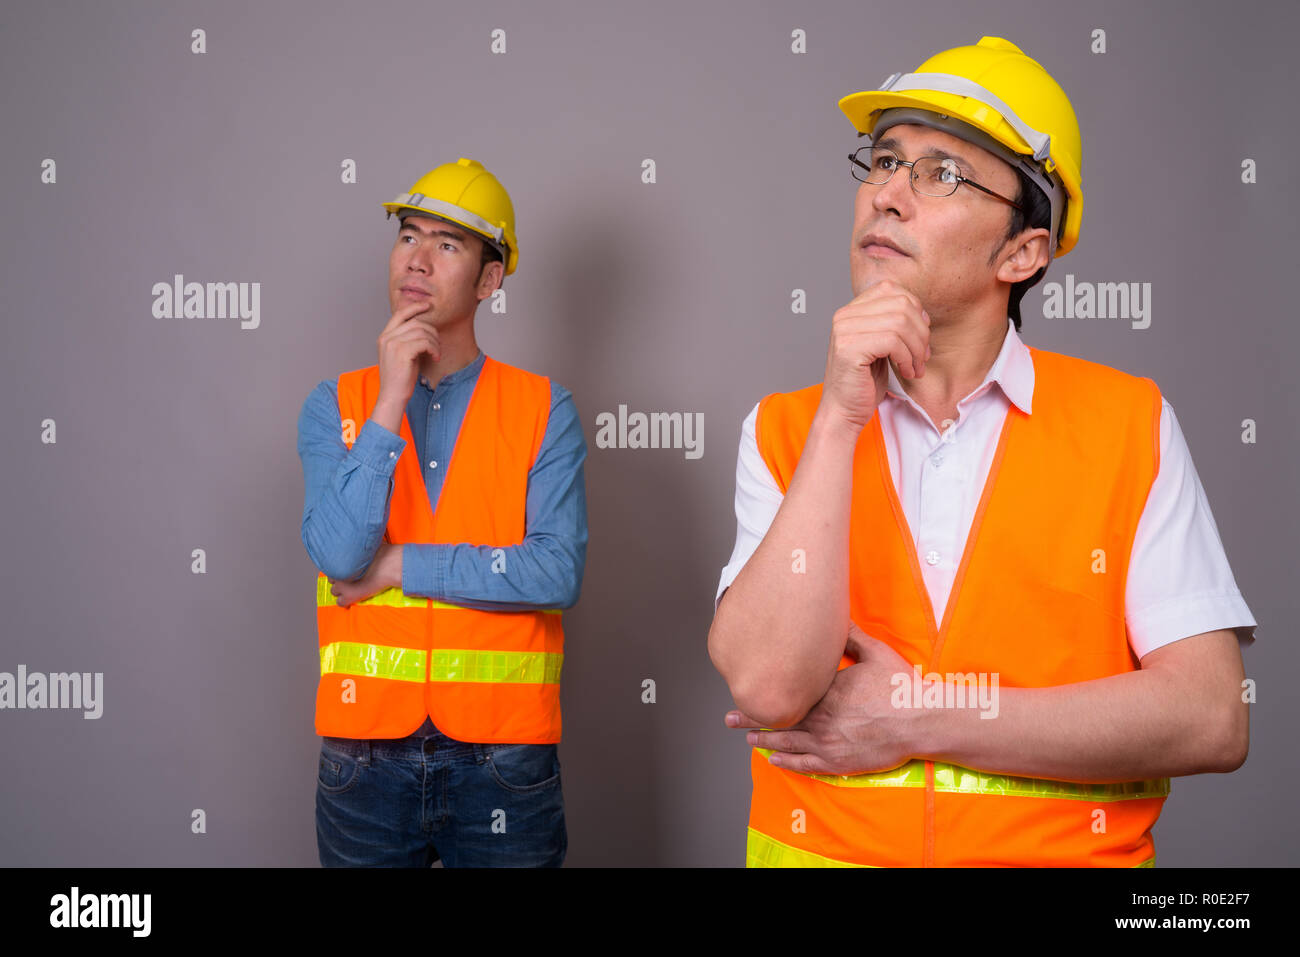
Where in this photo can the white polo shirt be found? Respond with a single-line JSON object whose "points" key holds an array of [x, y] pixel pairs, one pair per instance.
{"points": [[1179, 583]]}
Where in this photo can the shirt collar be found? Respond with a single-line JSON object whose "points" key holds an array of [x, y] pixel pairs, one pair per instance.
{"points": [[1012, 370], [460, 375]]}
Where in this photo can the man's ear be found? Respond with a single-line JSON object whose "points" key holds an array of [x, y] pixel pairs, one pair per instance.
{"points": [[1028, 255], [490, 278]]}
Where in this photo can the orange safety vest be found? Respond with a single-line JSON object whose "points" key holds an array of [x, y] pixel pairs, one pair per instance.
{"points": [[388, 661], [1038, 599]]}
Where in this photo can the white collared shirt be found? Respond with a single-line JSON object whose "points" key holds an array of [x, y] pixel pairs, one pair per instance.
{"points": [[1179, 583]]}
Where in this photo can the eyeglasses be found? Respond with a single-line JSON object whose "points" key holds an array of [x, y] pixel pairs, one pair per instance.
{"points": [[931, 175]]}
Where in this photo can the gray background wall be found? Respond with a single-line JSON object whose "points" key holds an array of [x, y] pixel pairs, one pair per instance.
{"points": [[175, 434]]}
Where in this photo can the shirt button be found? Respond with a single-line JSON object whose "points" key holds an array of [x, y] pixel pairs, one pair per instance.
{"points": [[392, 455], [938, 461], [433, 465], [932, 558], [437, 405], [423, 381]]}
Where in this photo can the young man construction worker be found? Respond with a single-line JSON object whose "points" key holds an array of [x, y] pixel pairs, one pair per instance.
{"points": [[441, 645], [1026, 525]]}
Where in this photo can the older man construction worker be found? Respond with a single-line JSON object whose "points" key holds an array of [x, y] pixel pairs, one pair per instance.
{"points": [[952, 517], [441, 645]]}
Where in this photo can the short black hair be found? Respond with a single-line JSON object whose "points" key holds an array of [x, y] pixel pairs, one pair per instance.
{"points": [[1036, 213]]}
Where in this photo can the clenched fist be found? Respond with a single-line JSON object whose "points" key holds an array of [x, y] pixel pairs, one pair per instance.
{"points": [[884, 321]]}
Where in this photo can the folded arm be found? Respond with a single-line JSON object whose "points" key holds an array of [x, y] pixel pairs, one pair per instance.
{"points": [[543, 571], [347, 505], [346, 491], [1181, 713]]}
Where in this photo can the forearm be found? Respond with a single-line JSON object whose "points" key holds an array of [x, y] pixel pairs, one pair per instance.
{"points": [[388, 413], [542, 572], [779, 632], [347, 493], [1126, 727]]}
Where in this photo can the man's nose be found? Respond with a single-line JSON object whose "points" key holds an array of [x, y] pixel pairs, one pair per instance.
{"points": [[420, 260], [895, 193]]}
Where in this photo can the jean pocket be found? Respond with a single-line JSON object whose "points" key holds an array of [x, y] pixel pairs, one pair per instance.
{"points": [[524, 767], [339, 770]]}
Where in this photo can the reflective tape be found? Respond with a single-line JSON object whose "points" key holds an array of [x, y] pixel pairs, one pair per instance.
{"points": [[375, 661], [389, 596], [950, 777], [1040, 143], [443, 664], [764, 851], [953, 778], [519, 667], [396, 598], [440, 207]]}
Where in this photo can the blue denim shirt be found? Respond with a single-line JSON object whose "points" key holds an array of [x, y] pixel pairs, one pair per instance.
{"points": [[347, 499]]}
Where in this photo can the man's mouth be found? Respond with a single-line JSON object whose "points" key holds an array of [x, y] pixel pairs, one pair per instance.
{"points": [[884, 252], [878, 244]]}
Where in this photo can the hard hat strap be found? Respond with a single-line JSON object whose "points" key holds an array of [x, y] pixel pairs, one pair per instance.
{"points": [[442, 208], [1040, 143]]}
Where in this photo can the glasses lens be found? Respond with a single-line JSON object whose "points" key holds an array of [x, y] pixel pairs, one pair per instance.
{"points": [[935, 176], [874, 166]]}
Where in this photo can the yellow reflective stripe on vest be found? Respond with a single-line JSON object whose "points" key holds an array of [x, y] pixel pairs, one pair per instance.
{"points": [[953, 778], [444, 664], [524, 667], [763, 851], [395, 597], [950, 777], [375, 661], [389, 596]]}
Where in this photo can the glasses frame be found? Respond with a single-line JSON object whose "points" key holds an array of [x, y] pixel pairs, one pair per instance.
{"points": [[913, 177]]}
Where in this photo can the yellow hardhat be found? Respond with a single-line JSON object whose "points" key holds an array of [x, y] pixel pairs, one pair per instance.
{"points": [[993, 95], [466, 194]]}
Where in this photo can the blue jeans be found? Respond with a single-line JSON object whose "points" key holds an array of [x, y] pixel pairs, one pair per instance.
{"points": [[407, 802]]}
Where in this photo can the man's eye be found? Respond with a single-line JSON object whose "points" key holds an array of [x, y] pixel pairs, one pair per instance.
{"points": [[944, 172], [882, 162]]}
